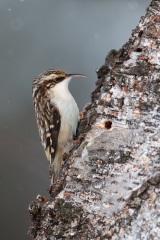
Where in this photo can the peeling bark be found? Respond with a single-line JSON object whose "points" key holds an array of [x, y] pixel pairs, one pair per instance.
{"points": [[109, 187]]}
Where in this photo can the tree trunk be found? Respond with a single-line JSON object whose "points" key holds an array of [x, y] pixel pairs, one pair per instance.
{"points": [[109, 187]]}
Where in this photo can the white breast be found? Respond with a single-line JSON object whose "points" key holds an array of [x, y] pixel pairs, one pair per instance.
{"points": [[65, 103]]}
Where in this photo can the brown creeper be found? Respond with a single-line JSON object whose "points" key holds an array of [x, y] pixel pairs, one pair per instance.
{"points": [[57, 115]]}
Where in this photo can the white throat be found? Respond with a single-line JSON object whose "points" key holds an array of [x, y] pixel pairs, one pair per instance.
{"points": [[62, 87]]}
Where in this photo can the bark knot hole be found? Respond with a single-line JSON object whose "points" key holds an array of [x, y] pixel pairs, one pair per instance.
{"points": [[108, 124]]}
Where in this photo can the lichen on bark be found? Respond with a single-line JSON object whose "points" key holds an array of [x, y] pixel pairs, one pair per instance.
{"points": [[109, 187]]}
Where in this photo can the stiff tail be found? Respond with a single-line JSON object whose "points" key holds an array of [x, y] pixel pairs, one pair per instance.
{"points": [[55, 167]]}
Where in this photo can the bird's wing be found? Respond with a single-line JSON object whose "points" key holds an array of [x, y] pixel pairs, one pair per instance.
{"points": [[49, 122]]}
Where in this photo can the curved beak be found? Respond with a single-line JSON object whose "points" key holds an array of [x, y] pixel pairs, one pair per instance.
{"points": [[76, 75]]}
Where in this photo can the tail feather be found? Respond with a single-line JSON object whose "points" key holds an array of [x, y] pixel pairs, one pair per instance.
{"points": [[55, 167]]}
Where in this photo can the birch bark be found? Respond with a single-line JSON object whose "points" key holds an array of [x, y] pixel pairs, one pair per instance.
{"points": [[110, 186]]}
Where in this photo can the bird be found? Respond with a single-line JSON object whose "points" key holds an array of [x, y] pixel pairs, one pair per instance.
{"points": [[57, 115]]}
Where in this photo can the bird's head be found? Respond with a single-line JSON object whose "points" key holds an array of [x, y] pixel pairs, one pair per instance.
{"points": [[52, 77]]}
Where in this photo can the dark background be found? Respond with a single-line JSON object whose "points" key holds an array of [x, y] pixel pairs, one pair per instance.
{"points": [[35, 35]]}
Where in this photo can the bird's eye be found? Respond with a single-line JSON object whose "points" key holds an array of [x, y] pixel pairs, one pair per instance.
{"points": [[59, 79]]}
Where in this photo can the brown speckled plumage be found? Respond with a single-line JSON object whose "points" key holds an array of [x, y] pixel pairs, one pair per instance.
{"points": [[57, 115]]}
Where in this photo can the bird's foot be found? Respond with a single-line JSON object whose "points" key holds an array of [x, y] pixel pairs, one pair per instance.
{"points": [[65, 155], [75, 142]]}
